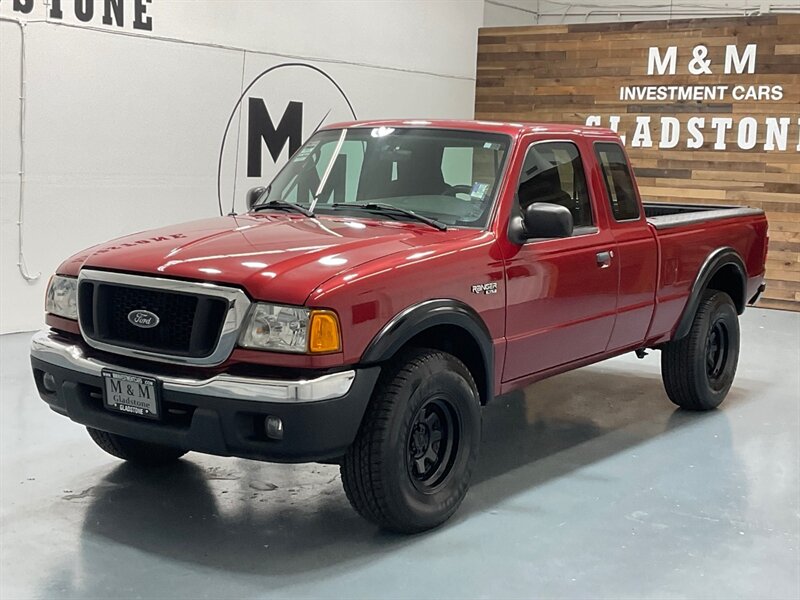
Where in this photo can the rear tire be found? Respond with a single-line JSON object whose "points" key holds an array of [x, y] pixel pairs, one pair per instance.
{"points": [[135, 451], [698, 370], [409, 468]]}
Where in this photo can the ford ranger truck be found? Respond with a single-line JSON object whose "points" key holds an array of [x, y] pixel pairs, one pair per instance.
{"points": [[392, 279]]}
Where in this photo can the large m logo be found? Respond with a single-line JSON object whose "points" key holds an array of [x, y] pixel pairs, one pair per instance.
{"points": [[261, 128]]}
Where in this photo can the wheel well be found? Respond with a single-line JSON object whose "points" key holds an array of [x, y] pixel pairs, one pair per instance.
{"points": [[728, 279], [458, 342]]}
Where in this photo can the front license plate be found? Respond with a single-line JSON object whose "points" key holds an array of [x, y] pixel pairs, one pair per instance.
{"points": [[131, 394]]}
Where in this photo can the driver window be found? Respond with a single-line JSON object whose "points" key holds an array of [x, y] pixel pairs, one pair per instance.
{"points": [[553, 173]]}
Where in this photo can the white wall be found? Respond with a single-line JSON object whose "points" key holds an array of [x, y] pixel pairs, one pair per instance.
{"points": [[501, 13], [123, 127]]}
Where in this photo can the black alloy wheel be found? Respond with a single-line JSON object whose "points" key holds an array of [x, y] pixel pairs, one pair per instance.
{"points": [[716, 352], [409, 467], [432, 444], [698, 369]]}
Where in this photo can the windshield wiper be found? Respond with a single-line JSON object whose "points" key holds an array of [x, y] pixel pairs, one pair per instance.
{"points": [[283, 205], [385, 207]]}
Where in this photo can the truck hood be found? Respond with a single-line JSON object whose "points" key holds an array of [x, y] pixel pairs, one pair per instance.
{"points": [[275, 257]]}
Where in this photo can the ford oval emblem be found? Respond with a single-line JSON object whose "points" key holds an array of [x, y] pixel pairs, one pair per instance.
{"points": [[143, 318]]}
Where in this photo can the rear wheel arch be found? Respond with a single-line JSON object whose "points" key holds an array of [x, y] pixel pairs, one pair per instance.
{"points": [[442, 324], [724, 271], [731, 279]]}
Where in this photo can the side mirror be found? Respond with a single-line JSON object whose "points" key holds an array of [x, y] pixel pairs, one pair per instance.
{"points": [[541, 220], [254, 194]]}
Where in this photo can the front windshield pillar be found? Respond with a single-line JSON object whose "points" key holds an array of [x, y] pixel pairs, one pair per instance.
{"points": [[328, 170]]}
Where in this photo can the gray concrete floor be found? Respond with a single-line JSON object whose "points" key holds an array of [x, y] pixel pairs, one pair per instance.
{"points": [[589, 485]]}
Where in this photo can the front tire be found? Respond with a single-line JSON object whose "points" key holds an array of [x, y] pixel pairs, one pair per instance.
{"points": [[409, 467], [135, 451], [698, 370]]}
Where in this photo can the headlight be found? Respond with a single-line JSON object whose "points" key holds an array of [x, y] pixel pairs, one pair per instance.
{"points": [[291, 329], [62, 297]]}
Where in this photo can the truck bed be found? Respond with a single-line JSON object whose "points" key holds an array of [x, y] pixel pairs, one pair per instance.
{"points": [[665, 216]]}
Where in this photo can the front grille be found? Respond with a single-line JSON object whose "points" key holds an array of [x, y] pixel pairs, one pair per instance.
{"points": [[175, 311], [189, 324]]}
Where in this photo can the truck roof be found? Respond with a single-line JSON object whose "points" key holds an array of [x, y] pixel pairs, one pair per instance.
{"points": [[510, 128]]}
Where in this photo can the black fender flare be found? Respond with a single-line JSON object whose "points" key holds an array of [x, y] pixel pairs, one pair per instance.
{"points": [[416, 318], [722, 257]]}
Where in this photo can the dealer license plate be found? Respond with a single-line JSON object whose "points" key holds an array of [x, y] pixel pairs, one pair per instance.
{"points": [[131, 394]]}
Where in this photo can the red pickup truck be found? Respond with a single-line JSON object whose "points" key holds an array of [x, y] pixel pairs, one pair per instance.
{"points": [[394, 277]]}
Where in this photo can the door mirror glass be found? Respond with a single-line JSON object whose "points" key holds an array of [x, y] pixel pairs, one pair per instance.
{"points": [[541, 220], [253, 194], [545, 220]]}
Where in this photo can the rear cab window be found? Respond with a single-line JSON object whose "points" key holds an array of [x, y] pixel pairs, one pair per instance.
{"points": [[618, 181]]}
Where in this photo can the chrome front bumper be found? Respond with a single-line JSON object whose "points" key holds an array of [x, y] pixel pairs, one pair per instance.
{"points": [[49, 348]]}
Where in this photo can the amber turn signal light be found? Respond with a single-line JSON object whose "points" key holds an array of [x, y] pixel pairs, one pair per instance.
{"points": [[324, 332]]}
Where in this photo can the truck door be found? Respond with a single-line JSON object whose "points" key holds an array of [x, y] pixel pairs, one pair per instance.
{"points": [[635, 243], [561, 293]]}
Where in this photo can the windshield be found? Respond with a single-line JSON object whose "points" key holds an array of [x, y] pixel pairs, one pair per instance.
{"points": [[449, 176]]}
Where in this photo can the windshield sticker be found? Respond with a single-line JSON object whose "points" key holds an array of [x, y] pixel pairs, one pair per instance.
{"points": [[491, 145], [303, 153], [479, 190]]}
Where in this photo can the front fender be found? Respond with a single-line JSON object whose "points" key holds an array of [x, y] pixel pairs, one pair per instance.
{"points": [[417, 318]]}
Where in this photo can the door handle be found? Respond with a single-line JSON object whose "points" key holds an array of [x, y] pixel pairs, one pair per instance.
{"points": [[604, 259]]}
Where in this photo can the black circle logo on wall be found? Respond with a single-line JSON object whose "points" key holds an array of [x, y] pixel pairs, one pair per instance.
{"points": [[267, 129]]}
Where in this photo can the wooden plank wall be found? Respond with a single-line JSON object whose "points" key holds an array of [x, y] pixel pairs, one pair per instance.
{"points": [[569, 73]]}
